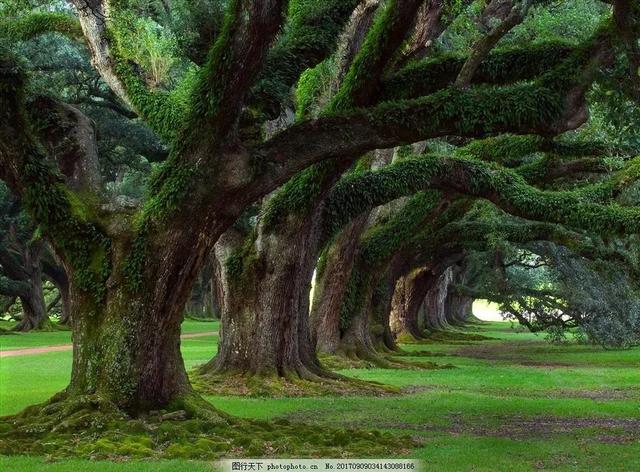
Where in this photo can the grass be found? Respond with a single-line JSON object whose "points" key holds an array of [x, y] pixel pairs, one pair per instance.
{"points": [[513, 403], [61, 335]]}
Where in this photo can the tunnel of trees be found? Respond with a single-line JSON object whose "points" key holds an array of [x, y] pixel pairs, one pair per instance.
{"points": [[403, 158]]}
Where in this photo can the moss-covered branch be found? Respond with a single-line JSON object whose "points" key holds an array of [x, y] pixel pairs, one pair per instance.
{"points": [[382, 41], [310, 36], [505, 188], [500, 67], [233, 65], [38, 23]]}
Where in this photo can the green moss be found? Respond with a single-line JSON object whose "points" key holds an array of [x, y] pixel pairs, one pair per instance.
{"points": [[506, 188], [275, 386], [38, 23], [310, 35], [299, 195], [105, 434], [500, 67]]}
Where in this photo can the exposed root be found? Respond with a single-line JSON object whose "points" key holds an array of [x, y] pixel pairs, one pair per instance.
{"points": [[92, 427], [288, 385], [27, 325], [379, 361], [452, 337]]}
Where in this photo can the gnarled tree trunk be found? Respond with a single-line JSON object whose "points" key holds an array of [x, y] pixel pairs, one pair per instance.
{"points": [[435, 302], [408, 299], [265, 329], [34, 307], [127, 339], [331, 283]]}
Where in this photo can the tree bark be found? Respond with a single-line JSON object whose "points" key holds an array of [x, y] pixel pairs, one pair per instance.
{"points": [[408, 298], [435, 305], [331, 283], [34, 307], [127, 345], [265, 327]]}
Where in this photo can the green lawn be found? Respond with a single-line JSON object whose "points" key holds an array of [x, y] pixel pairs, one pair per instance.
{"points": [[512, 403], [62, 335]]}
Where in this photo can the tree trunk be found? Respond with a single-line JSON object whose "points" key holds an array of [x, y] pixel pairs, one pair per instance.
{"points": [[34, 307], [435, 302], [408, 299], [381, 302], [127, 342], [54, 271], [458, 309], [332, 278], [65, 310], [265, 328], [364, 318]]}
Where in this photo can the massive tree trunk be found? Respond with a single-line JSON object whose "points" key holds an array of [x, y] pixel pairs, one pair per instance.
{"points": [[435, 302], [408, 299], [265, 329], [332, 277], [127, 344], [34, 307]]}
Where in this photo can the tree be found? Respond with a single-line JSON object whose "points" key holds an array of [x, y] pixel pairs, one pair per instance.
{"points": [[132, 266], [20, 264]]}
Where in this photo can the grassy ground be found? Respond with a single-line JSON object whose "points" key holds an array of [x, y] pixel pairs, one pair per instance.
{"points": [[513, 403]]}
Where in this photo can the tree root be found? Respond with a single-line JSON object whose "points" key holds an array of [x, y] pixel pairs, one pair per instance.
{"points": [[93, 427], [442, 337], [374, 360], [289, 384]]}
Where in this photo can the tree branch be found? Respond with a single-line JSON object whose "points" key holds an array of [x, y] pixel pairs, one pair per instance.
{"points": [[310, 36], [235, 61], [504, 66], [483, 46], [38, 23], [504, 188], [13, 288], [383, 40], [162, 111]]}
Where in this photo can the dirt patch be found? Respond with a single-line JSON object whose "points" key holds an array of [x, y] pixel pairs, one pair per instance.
{"points": [[596, 395], [68, 347], [610, 430], [523, 353]]}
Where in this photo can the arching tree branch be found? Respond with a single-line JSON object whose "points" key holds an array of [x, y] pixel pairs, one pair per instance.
{"points": [[505, 188]]}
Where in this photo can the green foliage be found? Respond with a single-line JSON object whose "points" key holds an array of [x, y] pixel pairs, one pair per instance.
{"points": [[310, 35], [38, 23], [151, 46], [61, 214], [502, 66]]}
